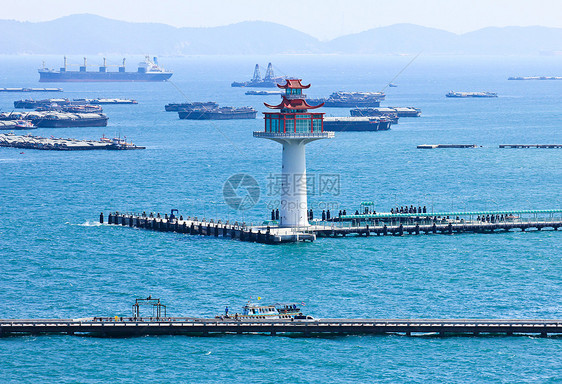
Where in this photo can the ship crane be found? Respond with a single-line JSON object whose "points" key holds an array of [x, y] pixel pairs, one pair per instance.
{"points": [[269, 75], [257, 74]]}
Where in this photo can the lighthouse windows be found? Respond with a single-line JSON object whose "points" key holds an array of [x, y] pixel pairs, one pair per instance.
{"points": [[302, 125], [317, 125]]}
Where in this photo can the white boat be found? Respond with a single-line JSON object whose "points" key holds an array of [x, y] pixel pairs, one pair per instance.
{"points": [[276, 311]]}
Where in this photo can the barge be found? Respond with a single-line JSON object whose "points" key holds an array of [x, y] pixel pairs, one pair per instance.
{"points": [[357, 124], [535, 78], [30, 89], [60, 144], [33, 104], [222, 113], [350, 99], [58, 119], [386, 111], [175, 107], [471, 94]]}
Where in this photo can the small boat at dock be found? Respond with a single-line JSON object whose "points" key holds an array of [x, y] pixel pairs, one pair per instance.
{"points": [[275, 311]]}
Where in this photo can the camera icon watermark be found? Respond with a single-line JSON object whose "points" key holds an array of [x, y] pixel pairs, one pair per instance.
{"points": [[241, 192]]}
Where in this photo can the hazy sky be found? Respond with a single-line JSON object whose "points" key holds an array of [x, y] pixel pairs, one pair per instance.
{"points": [[324, 19]]}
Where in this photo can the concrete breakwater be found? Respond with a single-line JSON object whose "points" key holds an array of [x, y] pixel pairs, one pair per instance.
{"points": [[360, 225], [60, 144]]}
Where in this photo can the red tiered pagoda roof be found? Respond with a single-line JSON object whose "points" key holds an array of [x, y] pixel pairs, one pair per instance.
{"points": [[293, 104], [293, 84]]}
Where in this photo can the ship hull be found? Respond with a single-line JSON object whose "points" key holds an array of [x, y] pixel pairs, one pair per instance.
{"points": [[70, 123], [73, 76]]}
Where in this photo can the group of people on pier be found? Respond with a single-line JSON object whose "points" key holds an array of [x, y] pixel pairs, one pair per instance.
{"points": [[492, 218], [407, 209]]}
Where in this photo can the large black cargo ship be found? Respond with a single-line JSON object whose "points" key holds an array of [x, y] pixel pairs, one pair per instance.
{"points": [[351, 100], [148, 70]]}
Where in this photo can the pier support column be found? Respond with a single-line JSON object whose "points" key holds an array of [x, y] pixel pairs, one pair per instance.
{"points": [[293, 211]]}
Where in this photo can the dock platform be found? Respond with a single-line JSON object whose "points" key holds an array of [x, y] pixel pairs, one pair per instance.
{"points": [[383, 224], [127, 327]]}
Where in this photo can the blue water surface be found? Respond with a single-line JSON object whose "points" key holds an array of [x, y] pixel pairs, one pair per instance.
{"points": [[57, 262]]}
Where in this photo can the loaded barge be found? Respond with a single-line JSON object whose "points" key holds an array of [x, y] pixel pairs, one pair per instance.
{"points": [[30, 89], [222, 113], [350, 99], [32, 104], [471, 94], [148, 70], [176, 107], [382, 111], [53, 119], [210, 110], [60, 144], [357, 124]]}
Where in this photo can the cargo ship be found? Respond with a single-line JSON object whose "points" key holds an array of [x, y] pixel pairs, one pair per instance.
{"points": [[357, 124], [176, 107], [268, 81], [148, 70], [351, 99], [386, 111], [471, 94], [222, 113]]}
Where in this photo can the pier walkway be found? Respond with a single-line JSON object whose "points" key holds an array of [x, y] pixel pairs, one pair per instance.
{"points": [[383, 224], [122, 327]]}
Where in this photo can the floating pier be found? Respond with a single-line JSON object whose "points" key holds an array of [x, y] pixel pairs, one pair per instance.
{"points": [[383, 224], [122, 327], [60, 144], [530, 145]]}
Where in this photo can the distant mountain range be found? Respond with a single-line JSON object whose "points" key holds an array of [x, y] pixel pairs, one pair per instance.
{"points": [[90, 34]]}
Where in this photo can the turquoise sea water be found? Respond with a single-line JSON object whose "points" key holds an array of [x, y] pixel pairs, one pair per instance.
{"points": [[57, 262]]}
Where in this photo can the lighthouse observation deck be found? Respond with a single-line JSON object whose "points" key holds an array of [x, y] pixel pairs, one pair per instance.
{"points": [[294, 135]]}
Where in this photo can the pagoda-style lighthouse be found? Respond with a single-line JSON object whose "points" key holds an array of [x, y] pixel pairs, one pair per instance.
{"points": [[294, 127]]}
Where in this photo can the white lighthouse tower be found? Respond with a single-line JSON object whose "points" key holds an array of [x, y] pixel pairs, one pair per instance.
{"points": [[293, 127]]}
